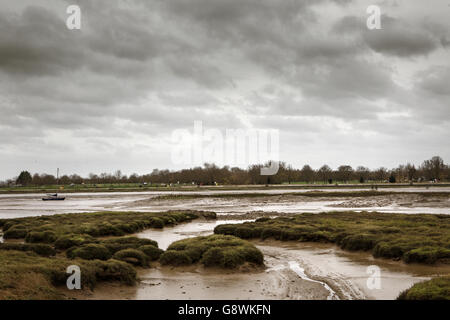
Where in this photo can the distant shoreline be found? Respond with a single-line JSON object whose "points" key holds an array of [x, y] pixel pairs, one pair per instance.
{"points": [[125, 188]]}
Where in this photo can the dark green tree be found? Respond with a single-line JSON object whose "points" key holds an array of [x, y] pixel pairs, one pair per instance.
{"points": [[24, 178], [392, 179]]}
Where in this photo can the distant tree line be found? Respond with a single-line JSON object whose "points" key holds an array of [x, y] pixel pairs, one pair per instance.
{"points": [[430, 170]]}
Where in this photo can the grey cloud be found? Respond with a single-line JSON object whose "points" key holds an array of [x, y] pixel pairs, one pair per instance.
{"points": [[435, 80], [396, 36], [445, 42], [34, 44], [140, 69], [399, 39]]}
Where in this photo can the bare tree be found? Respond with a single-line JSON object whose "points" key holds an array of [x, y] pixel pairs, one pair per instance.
{"points": [[345, 173], [325, 173], [362, 173], [433, 168], [307, 174]]}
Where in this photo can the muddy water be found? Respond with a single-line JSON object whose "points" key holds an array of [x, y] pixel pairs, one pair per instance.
{"points": [[293, 271], [347, 273], [240, 206], [32, 205], [13, 206], [164, 283]]}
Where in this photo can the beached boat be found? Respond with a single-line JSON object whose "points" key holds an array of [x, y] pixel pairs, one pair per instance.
{"points": [[53, 197]]}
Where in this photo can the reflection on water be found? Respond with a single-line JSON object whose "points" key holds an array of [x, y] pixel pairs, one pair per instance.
{"points": [[166, 236]]}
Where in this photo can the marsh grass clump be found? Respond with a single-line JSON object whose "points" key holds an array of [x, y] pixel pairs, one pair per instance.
{"points": [[175, 258], [114, 270], [434, 289], [90, 251], [157, 223], [38, 248], [41, 236], [427, 255], [71, 240], [15, 232], [152, 252], [421, 238], [132, 256], [212, 251], [131, 241], [358, 242], [117, 244]]}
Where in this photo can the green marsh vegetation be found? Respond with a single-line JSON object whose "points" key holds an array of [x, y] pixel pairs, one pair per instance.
{"points": [[81, 227], [212, 251], [420, 238], [415, 238], [434, 289], [27, 275], [33, 268]]}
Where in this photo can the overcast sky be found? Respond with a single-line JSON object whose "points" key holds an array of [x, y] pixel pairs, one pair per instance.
{"points": [[110, 95]]}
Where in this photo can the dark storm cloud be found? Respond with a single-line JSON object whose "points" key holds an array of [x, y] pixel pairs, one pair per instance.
{"points": [[396, 37], [401, 40], [137, 70], [35, 43]]}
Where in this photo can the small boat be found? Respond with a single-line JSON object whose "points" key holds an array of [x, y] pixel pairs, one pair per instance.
{"points": [[53, 197]]}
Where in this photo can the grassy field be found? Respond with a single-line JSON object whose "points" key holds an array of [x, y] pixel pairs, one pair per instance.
{"points": [[421, 238]]}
